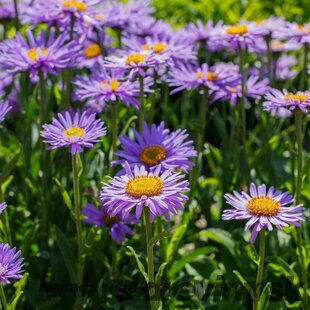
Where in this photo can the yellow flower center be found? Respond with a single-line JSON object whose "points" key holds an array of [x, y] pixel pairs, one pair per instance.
{"points": [[152, 155], [144, 186], [159, 47], [74, 132], [92, 50], [299, 97], [211, 76], [80, 6], [114, 84], [135, 58], [199, 75], [263, 206], [237, 29], [277, 44], [32, 53]]}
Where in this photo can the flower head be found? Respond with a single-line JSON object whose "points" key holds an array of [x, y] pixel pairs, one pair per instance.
{"points": [[34, 54], [3, 205], [162, 193], [5, 108], [74, 130], [215, 77], [157, 146], [117, 225], [276, 99], [263, 209], [103, 86], [10, 263]]}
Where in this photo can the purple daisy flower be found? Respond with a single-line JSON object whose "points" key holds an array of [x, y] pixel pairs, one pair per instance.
{"points": [[10, 264], [138, 189], [62, 12], [117, 225], [36, 55], [7, 9], [157, 146], [298, 32], [283, 67], [5, 108], [73, 130], [276, 99], [137, 62], [185, 77], [3, 205], [242, 36], [255, 88], [263, 209], [102, 86], [167, 48]]}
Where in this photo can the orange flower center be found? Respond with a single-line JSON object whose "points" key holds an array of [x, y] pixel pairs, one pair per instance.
{"points": [[152, 155], [135, 58], [211, 76], [233, 89], [263, 206], [114, 84], [158, 47], [277, 44], [74, 132], [237, 29], [144, 186], [299, 97], [80, 6], [92, 50], [33, 54]]}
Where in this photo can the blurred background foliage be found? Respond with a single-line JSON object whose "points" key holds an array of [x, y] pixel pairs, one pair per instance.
{"points": [[179, 12]]}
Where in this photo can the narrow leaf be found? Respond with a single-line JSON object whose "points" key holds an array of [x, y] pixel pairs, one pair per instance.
{"points": [[139, 264], [245, 283]]}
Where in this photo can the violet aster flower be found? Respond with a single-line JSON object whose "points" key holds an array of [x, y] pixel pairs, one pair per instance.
{"points": [[35, 55], [283, 67], [255, 88], [276, 99], [137, 62], [157, 146], [263, 209], [241, 36], [5, 108], [102, 87], [73, 130], [62, 12], [298, 32], [117, 225], [186, 77], [3, 205], [10, 263], [123, 15], [7, 9], [167, 48], [162, 193]]}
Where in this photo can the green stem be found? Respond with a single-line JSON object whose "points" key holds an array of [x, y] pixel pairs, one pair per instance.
{"points": [[3, 298], [78, 223], [303, 77], [142, 108], [304, 273], [242, 54], [150, 258], [164, 241], [260, 270]]}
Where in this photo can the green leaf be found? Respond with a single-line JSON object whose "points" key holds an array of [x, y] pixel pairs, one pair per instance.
{"points": [[175, 240], [180, 264], [80, 167], [221, 236], [6, 170], [160, 274], [281, 267], [6, 183], [67, 254], [65, 196], [139, 264], [253, 253], [19, 287], [128, 123], [162, 235], [263, 301], [245, 283]]}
